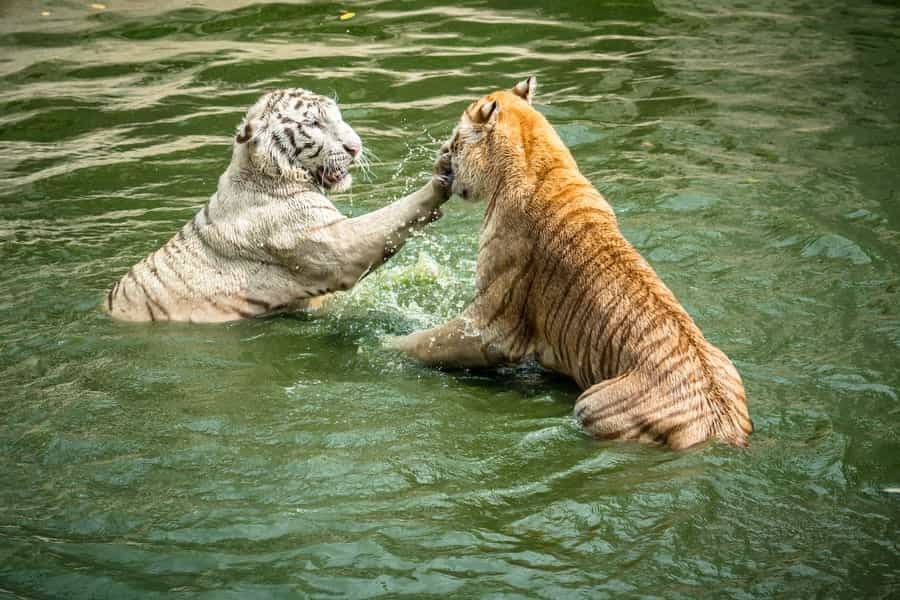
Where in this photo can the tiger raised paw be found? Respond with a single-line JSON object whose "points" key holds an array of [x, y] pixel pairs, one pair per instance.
{"points": [[269, 239], [556, 279]]}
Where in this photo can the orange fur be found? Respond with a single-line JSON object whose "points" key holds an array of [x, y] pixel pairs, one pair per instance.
{"points": [[556, 279]]}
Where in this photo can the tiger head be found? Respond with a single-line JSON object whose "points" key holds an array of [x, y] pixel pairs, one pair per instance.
{"points": [[500, 139], [297, 135]]}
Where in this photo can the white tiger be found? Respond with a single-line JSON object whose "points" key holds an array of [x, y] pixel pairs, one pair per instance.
{"points": [[268, 238]]}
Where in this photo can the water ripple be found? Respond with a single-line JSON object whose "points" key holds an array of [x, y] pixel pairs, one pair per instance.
{"points": [[751, 155]]}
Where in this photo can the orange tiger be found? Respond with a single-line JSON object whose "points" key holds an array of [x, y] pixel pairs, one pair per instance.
{"points": [[556, 279]]}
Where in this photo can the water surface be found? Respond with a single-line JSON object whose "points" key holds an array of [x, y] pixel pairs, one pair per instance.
{"points": [[751, 151]]}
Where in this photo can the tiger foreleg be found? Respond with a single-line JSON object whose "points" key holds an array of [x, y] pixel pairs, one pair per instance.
{"points": [[455, 345], [391, 226], [335, 256], [383, 232]]}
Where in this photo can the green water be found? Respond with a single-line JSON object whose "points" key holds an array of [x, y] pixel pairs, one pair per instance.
{"points": [[752, 152]]}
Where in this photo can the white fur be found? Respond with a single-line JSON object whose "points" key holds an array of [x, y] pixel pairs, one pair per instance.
{"points": [[268, 239]]}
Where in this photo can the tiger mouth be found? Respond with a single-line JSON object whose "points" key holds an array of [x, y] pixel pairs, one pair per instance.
{"points": [[331, 177]]}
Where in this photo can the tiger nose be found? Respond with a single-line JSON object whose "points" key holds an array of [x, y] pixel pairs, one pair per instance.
{"points": [[352, 148]]}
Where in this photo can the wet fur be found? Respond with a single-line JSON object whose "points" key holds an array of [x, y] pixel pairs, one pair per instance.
{"points": [[269, 239], [556, 279]]}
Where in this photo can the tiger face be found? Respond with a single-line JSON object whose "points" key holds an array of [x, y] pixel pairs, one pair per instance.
{"points": [[473, 154], [297, 135]]}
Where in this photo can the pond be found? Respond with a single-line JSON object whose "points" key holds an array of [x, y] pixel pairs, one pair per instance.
{"points": [[752, 154]]}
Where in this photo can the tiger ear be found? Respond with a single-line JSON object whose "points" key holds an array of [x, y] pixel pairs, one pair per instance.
{"points": [[525, 89], [486, 113], [247, 130]]}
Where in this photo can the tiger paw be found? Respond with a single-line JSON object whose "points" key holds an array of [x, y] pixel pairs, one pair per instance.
{"points": [[442, 179]]}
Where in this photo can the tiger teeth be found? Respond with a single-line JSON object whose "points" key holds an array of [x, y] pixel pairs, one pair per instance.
{"points": [[332, 177]]}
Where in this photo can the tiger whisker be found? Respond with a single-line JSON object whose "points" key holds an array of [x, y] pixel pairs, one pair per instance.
{"points": [[369, 153], [364, 164]]}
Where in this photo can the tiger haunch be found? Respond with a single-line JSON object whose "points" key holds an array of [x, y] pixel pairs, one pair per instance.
{"points": [[268, 239], [556, 279]]}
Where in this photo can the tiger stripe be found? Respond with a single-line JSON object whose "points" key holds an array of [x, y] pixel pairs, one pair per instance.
{"points": [[563, 332]]}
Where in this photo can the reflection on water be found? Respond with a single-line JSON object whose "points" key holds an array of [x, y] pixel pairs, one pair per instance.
{"points": [[751, 153]]}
